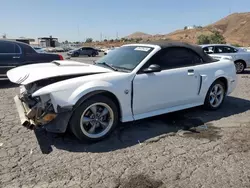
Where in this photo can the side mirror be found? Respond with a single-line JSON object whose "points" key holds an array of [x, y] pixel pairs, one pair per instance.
{"points": [[152, 68]]}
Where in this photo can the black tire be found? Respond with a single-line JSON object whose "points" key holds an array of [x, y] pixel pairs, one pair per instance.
{"points": [[75, 126], [93, 55], [239, 66], [207, 103], [76, 54]]}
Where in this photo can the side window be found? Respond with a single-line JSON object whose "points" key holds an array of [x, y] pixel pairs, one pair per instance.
{"points": [[17, 49], [89, 49], [208, 49], [176, 57], [28, 50], [224, 49], [9, 48], [232, 50]]}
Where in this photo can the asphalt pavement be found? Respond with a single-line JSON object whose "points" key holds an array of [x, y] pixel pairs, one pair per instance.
{"points": [[193, 148]]}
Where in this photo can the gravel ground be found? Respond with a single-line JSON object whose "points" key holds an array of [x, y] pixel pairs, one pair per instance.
{"points": [[191, 148]]}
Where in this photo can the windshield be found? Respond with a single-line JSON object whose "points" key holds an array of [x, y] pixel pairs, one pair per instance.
{"points": [[126, 57]]}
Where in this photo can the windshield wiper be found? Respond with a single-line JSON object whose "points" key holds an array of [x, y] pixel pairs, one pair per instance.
{"points": [[108, 65]]}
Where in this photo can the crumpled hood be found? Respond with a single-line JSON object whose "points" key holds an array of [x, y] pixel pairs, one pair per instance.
{"points": [[30, 73]]}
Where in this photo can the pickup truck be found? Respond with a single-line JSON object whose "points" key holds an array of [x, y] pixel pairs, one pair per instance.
{"points": [[14, 54]]}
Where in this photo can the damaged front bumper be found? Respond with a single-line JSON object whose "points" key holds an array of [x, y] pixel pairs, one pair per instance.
{"points": [[57, 124], [22, 110]]}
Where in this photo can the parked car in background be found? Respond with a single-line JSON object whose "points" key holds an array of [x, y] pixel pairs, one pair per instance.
{"points": [[50, 49], [240, 56], [40, 49], [13, 54], [59, 49], [83, 51], [68, 48], [133, 82]]}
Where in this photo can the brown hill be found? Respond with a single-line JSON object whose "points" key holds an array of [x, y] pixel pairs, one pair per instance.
{"points": [[235, 28], [137, 35]]}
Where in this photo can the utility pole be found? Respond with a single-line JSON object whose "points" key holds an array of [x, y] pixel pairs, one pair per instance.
{"points": [[116, 35], [101, 37], [230, 9]]}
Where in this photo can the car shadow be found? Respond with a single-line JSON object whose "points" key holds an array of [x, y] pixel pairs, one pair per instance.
{"points": [[5, 84], [133, 133], [246, 71]]}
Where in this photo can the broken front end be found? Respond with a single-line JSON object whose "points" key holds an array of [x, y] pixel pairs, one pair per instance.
{"points": [[39, 111]]}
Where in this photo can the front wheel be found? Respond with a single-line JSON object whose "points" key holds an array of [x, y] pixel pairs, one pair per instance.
{"points": [[76, 54], [215, 96], [94, 119]]}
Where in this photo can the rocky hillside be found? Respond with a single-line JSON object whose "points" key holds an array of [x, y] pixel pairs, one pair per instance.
{"points": [[235, 28]]}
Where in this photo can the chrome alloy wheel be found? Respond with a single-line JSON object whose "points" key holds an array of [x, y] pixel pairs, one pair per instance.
{"points": [[97, 120], [216, 95], [239, 67]]}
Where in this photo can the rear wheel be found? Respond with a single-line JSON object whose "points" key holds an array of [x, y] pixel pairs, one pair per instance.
{"points": [[239, 65], [215, 96], [94, 119]]}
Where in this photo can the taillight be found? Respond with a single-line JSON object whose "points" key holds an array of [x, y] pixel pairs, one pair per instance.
{"points": [[60, 57]]}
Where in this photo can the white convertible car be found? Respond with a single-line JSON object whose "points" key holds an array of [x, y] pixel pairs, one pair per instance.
{"points": [[240, 57], [133, 82]]}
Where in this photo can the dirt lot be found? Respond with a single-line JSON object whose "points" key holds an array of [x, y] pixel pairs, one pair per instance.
{"points": [[156, 152]]}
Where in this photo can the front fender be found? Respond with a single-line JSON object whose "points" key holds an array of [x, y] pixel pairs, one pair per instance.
{"points": [[88, 88]]}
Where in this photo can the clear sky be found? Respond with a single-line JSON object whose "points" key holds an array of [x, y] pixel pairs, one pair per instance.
{"points": [[75, 20]]}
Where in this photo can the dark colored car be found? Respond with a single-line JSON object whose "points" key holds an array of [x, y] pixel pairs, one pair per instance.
{"points": [[86, 51], [13, 54]]}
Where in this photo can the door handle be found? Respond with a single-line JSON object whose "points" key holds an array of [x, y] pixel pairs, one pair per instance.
{"points": [[16, 57], [190, 72]]}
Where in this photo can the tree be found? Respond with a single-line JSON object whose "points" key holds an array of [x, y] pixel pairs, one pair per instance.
{"points": [[217, 38], [105, 40], [236, 45], [185, 28], [203, 39], [89, 40], [214, 38], [138, 40]]}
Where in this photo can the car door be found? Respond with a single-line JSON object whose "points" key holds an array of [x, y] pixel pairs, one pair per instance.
{"points": [[175, 85], [10, 56], [88, 51], [83, 51]]}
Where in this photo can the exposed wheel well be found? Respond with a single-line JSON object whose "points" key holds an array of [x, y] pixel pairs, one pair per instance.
{"points": [[240, 60], [103, 93], [224, 81]]}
